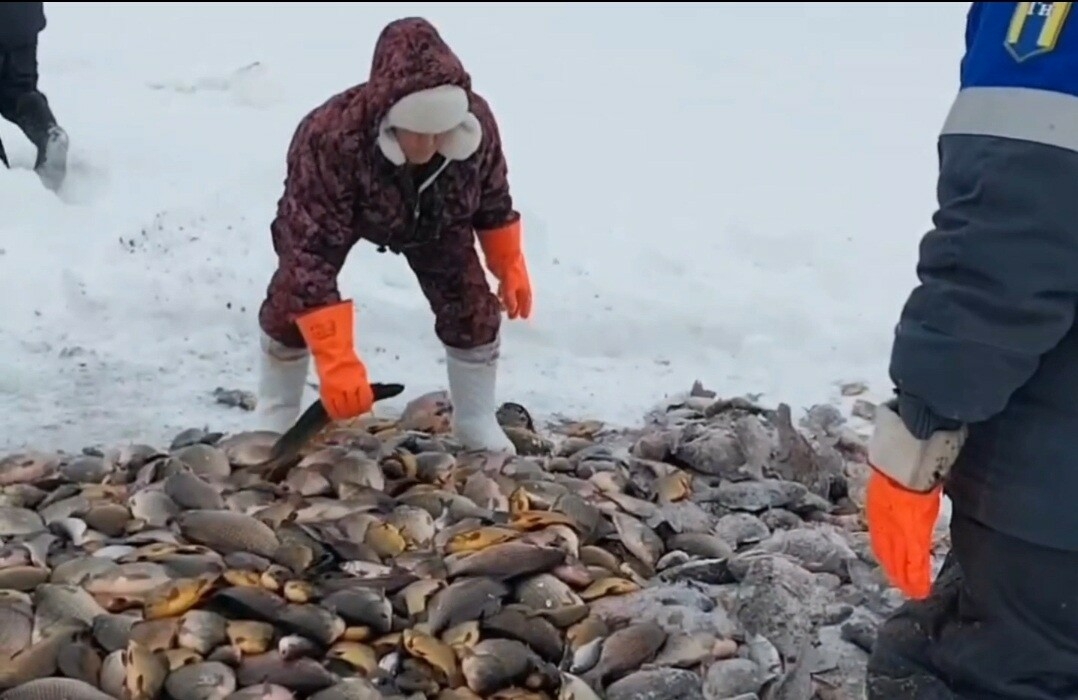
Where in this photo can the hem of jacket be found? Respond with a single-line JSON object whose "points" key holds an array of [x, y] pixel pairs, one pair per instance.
{"points": [[1025, 114], [1014, 509]]}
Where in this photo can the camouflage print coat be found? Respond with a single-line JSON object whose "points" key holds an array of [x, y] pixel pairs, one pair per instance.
{"points": [[340, 188]]}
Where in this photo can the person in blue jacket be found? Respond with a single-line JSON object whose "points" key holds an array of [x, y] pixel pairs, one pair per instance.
{"points": [[986, 352], [21, 102]]}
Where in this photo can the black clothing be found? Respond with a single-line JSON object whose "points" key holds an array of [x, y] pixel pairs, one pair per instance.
{"points": [[1001, 623], [20, 23]]}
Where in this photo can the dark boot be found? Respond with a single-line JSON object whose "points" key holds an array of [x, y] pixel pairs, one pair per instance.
{"points": [[1013, 633], [35, 118], [900, 667]]}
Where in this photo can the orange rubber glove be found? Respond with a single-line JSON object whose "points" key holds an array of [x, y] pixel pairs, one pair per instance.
{"points": [[505, 260], [342, 377], [900, 527]]}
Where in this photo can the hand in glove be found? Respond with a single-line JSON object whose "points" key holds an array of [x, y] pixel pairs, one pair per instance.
{"points": [[900, 526], [904, 494], [505, 260], [343, 384]]}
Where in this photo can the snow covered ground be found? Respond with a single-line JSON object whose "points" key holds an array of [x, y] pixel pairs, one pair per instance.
{"points": [[727, 192]]}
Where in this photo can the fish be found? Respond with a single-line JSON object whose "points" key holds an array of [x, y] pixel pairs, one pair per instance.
{"points": [[285, 451], [376, 558]]}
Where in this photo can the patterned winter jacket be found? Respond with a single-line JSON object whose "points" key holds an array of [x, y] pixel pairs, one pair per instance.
{"points": [[340, 188]]}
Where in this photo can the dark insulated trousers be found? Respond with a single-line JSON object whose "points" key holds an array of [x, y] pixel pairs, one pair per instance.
{"points": [[21, 103], [18, 77], [1001, 624]]}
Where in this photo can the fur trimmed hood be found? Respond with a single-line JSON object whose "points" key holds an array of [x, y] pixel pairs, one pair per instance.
{"points": [[434, 110], [421, 86]]}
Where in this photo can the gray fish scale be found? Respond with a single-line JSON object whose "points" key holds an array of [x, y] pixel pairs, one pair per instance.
{"points": [[228, 532], [55, 689]]}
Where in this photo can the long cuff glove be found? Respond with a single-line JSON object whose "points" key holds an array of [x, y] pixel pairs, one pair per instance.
{"points": [[904, 494], [505, 260], [343, 384]]}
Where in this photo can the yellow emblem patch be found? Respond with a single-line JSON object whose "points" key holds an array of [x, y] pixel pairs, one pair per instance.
{"points": [[1035, 28]]}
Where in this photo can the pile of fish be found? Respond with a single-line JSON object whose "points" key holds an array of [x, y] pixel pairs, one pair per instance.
{"points": [[716, 552]]}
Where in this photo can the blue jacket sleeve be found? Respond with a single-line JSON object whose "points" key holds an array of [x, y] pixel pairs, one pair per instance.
{"points": [[972, 19]]}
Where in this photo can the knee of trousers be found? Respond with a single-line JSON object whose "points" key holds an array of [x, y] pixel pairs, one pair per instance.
{"points": [[471, 322], [277, 328]]}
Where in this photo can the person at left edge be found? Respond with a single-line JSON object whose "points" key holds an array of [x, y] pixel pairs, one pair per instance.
{"points": [[410, 160], [21, 101]]}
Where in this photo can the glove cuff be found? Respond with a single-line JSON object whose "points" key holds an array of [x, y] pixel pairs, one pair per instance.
{"points": [[501, 246], [912, 463], [329, 332]]}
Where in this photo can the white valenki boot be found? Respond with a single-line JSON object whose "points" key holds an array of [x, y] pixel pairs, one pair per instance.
{"points": [[282, 376], [472, 377]]}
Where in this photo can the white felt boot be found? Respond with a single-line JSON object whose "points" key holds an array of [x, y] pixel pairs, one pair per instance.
{"points": [[472, 377], [282, 376]]}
